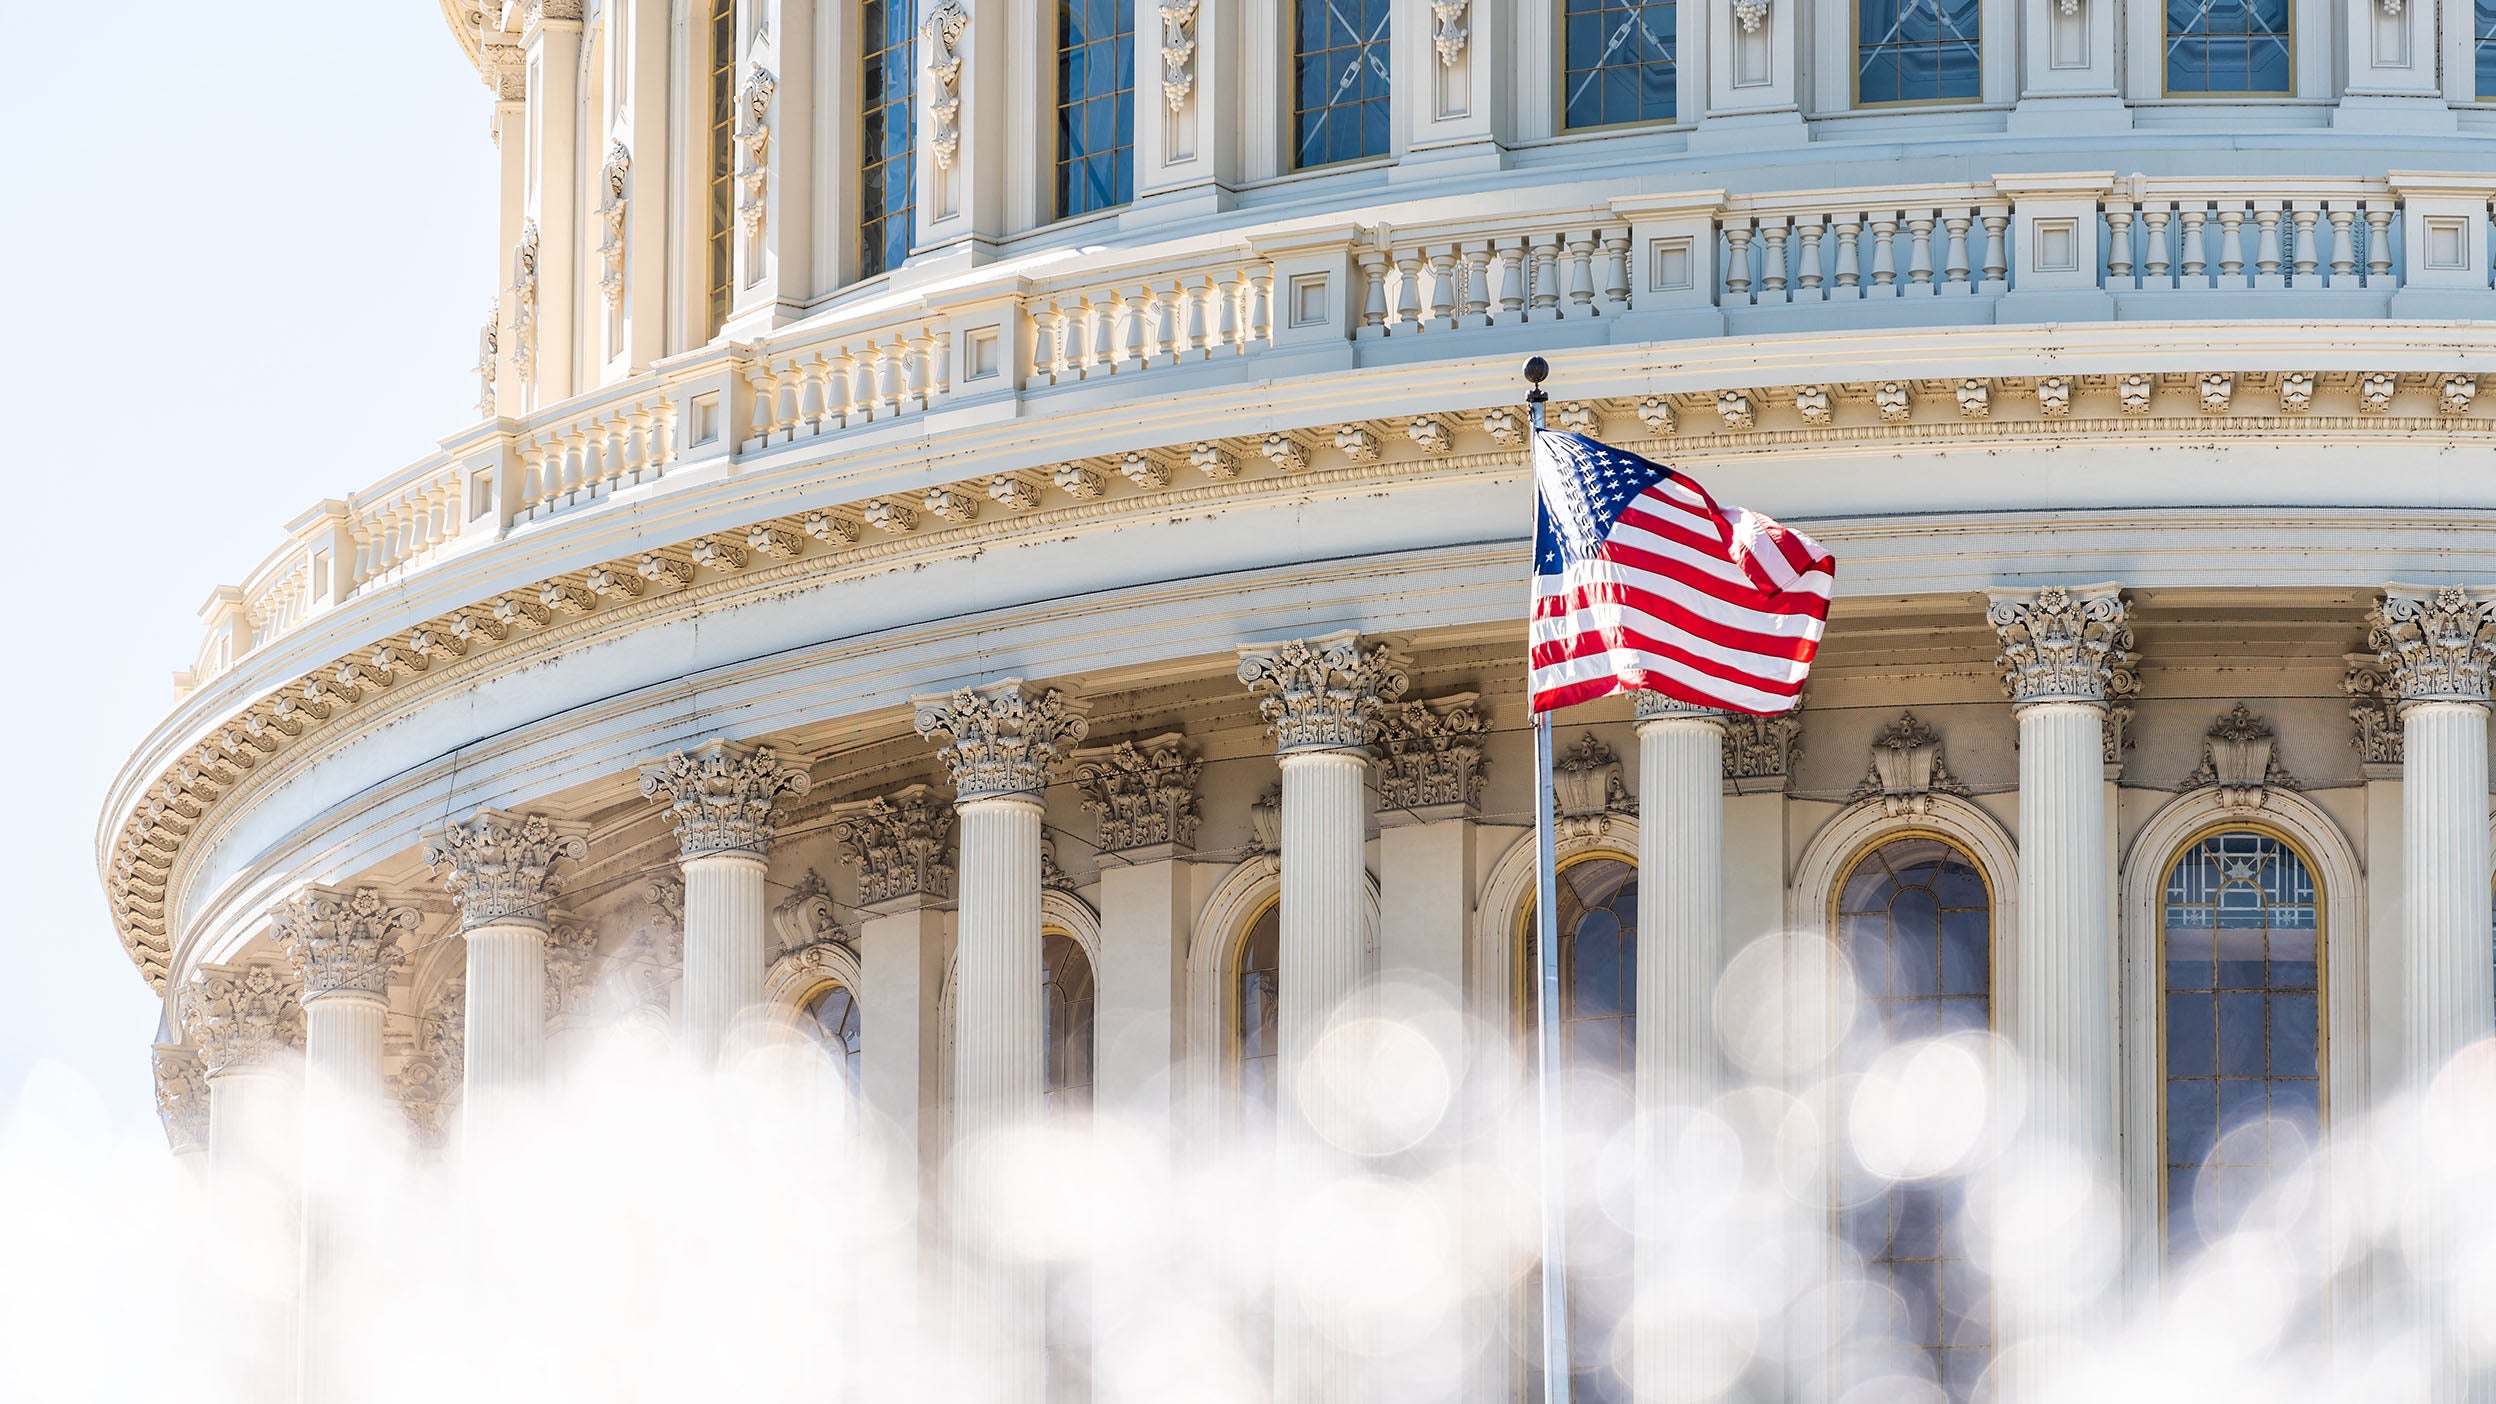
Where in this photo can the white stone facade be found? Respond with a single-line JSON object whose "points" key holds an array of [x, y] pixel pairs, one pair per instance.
{"points": [[1154, 460]]}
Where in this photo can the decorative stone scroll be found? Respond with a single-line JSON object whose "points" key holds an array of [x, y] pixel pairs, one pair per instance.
{"points": [[2240, 757], [1144, 793], [899, 844], [1761, 749], [181, 1097], [344, 942], [2373, 710], [1322, 694], [2063, 643], [1178, 53], [502, 866], [1430, 754], [1265, 821], [721, 795], [941, 34], [807, 918], [1001, 739], [239, 1015], [1587, 787], [1907, 770], [2434, 646]]}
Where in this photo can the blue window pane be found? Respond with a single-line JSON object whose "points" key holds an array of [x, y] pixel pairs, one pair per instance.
{"points": [[885, 213], [1917, 51], [2192, 1036], [2227, 46], [1619, 64], [1339, 92], [1095, 105]]}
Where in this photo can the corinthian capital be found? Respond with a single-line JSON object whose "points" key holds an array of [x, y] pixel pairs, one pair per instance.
{"points": [[343, 942], [1430, 754], [2064, 643], [182, 1097], [1144, 792], [1322, 694], [2435, 644], [501, 867], [720, 795], [1001, 739], [898, 842], [238, 1015]]}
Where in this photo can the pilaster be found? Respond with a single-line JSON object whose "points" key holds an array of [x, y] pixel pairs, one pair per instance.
{"points": [[1452, 80], [721, 798], [553, 46], [2375, 731], [960, 153], [773, 242], [1187, 75], [1752, 52]]}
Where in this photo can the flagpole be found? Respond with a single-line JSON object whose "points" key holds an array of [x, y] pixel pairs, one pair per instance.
{"points": [[1547, 1012]]}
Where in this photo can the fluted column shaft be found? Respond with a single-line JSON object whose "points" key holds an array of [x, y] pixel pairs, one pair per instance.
{"points": [[1325, 827], [2449, 1000], [506, 1021], [341, 1094], [724, 938], [502, 875]]}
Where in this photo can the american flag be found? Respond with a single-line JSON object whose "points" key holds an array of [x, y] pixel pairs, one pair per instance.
{"points": [[1643, 583]]}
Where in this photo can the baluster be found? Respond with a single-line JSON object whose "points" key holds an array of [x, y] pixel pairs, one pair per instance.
{"points": [[2303, 213], [2118, 245], [1582, 274], [1772, 276], [2343, 245], [576, 462], [663, 438], [1738, 261], [1100, 331], [1997, 221], [641, 455], [1546, 269], [1476, 308], [1884, 254], [1920, 249], [1373, 293], [2266, 244], [1407, 293], [2231, 246], [2378, 242], [1260, 305], [1047, 344], [1954, 251], [1511, 280], [1137, 345], [1849, 275], [1204, 323], [2154, 249], [532, 480], [1170, 338], [936, 362], [1808, 273], [616, 441], [593, 458], [1441, 262], [2194, 261], [1615, 270]]}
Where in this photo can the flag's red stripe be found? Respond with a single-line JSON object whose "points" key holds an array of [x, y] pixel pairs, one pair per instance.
{"points": [[1672, 614], [1752, 596]]}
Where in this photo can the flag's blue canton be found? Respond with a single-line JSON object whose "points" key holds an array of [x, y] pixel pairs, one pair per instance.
{"points": [[1597, 481]]}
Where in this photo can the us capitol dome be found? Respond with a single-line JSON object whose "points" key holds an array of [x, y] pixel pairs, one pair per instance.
{"points": [[996, 537]]}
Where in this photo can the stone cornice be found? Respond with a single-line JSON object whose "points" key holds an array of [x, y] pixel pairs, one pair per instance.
{"points": [[153, 814]]}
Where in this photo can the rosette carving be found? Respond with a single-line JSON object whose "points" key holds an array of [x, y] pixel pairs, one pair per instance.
{"points": [[2435, 645], [1001, 739], [1144, 793], [1322, 694], [721, 795], [238, 1015], [501, 867], [2064, 643], [344, 942], [898, 842]]}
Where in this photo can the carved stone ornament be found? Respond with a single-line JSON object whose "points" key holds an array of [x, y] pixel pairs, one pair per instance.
{"points": [[2435, 645], [501, 867], [1430, 754], [754, 139], [426, 1087], [181, 1097], [239, 1015], [645, 972], [1178, 52], [807, 917], [1587, 785], [1144, 793], [2063, 643], [2115, 733], [1322, 694], [2240, 757], [524, 304], [1001, 739], [1750, 14], [721, 795], [489, 349], [899, 844], [1907, 770], [1761, 748], [941, 35], [1053, 874], [2373, 710], [613, 204], [344, 942], [804, 967], [571, 964], [1265, 821], [1448, 31]]}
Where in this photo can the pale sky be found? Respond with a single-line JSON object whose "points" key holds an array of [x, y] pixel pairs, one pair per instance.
{"points": [[244, 252]]}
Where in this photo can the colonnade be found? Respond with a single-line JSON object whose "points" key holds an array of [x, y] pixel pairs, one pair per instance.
{"points": [[2067, 665]]}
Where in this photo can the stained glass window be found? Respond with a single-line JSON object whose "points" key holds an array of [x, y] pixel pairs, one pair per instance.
{"points": [[2227, 46], [832, 1012], [1917, 51], [1095, 105], [887, 83], [1339, 81], [2243, 980], [1621, 63], [1916, 923]]}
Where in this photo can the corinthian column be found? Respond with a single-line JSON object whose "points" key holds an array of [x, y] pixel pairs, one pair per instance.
{"points": [[1001, 743], [246, 1020], [720, 796], [1322, 698], [501, 872], [345, 945], [2064, 651]]}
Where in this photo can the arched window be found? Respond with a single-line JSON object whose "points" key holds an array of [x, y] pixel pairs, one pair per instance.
{"points": [[722, 147], [886, 82], [1915, 921], [832, 1015], [1066, 1016], [2242, 968], [1621, 62], [1917, 51], [1259, 1048], [1599, 1040], [1339, 81], [2234, 47], [1095, 105]]}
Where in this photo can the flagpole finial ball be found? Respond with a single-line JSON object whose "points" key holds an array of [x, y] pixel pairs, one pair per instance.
{"points": [[1536, 370]]}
